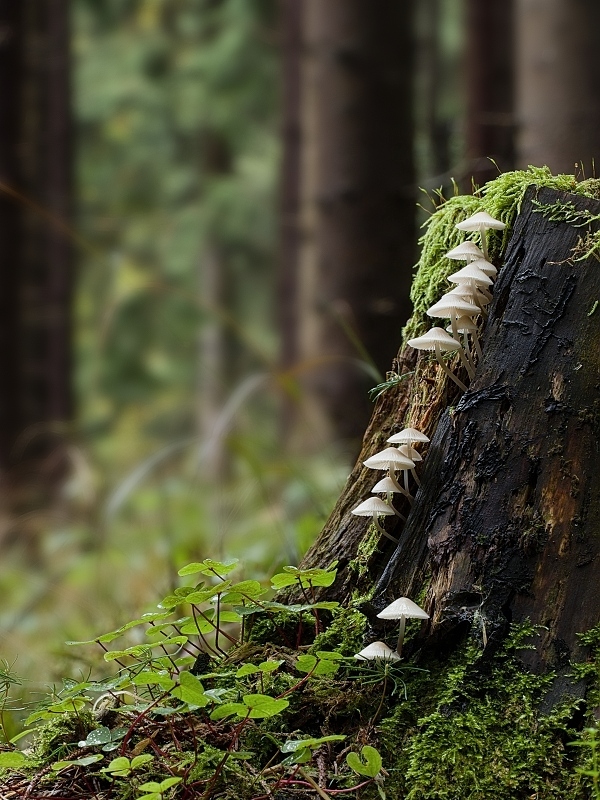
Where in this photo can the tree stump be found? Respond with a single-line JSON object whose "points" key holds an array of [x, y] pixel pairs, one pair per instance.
{"points": [[506, 525]]}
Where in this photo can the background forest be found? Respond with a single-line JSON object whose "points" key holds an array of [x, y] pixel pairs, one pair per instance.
{"points": [[209, 224]]}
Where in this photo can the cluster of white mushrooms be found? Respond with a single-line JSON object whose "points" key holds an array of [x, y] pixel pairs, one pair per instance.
{"points": [[401, 609], [390, 461], [466, 302]]}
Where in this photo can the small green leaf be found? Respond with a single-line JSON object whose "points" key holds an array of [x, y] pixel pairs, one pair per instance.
{"points": [[77, 762], [242, 591], [306, 663], [139, 761], [148, 678], [247, 669], [228, 709], [263, 706], [97, 737], [209, 567], [13, 760], [153, 786], [270, 665], [369, 762], [190, 690]]}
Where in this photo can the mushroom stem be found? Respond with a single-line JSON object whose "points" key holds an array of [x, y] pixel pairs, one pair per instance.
{"points": [[416, 477], [382, 530], [461, 352], [401, 635], [401, 489], [468, 352], [408, 494], [449, 373], [390, 499], [484, 247], [477, 345]]}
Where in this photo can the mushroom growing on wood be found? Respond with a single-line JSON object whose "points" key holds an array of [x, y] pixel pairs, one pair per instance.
{"points": [[374, 507], [465, 251], [377, 650], [438, 340], [402, 609], [388, 487], [391, 459], [482, 222]]}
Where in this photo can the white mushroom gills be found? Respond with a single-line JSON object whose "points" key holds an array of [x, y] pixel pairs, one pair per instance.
{"points": [[481, 222], [438, 340], [391, 459], [375, 507], [402, 609], [388, 487], [377, 650]]}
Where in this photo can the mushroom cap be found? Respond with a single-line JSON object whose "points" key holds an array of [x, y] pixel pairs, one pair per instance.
{"points": [[408, 436], [390, 458], [452, 306], [465, 291], [410, 452], [385, 485], [435, 336], [464, 324], [377, 650], [465, 251], [372, 505], [480, 222], [470, 274], [485, 266], [403, 607]]}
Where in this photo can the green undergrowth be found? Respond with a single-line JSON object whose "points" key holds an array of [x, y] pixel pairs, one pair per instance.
{"points": [[502, 198], [285, 704]]}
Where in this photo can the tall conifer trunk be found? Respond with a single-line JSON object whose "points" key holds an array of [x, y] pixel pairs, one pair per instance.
{"points": [[358, 201], [558, 83], [36, 259]]}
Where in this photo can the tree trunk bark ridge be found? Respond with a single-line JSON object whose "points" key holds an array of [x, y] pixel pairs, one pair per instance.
{"points": [[505, 525]]}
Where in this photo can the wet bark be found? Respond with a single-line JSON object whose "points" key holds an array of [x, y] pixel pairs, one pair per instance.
{"points": [[506, 526]]}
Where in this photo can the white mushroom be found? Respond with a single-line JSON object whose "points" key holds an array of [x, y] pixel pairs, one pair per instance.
{"points": [[452, 307], [466, 325], [388, 487], [485, 266], [465, 251], [374, 507], [481, 222], [391, 459], [377, 650], [438, 340], [409, 437], [402, 609]]}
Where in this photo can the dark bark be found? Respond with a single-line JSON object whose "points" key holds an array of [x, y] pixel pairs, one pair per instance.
{"points": [[489, 81], [359, 214], [36, 266], [506, 523]]}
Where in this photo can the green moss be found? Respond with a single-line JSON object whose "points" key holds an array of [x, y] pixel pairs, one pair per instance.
{"points": [[358, 567], [476, 731], [502, 198], [345, 634], [54, 739]]}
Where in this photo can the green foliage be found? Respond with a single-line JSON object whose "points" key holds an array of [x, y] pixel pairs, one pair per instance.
{"points": [[368, 763]]}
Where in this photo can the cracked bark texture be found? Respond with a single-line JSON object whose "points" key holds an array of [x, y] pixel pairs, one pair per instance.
{"points": [[507, 524]]}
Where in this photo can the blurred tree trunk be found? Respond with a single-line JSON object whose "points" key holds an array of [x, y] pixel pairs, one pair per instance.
{"points": [[489, 82], [36, 263], [558, 83], [357, 205]]}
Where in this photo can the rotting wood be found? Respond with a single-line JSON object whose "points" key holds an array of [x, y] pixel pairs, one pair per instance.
{"points": [[506, 526]]}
